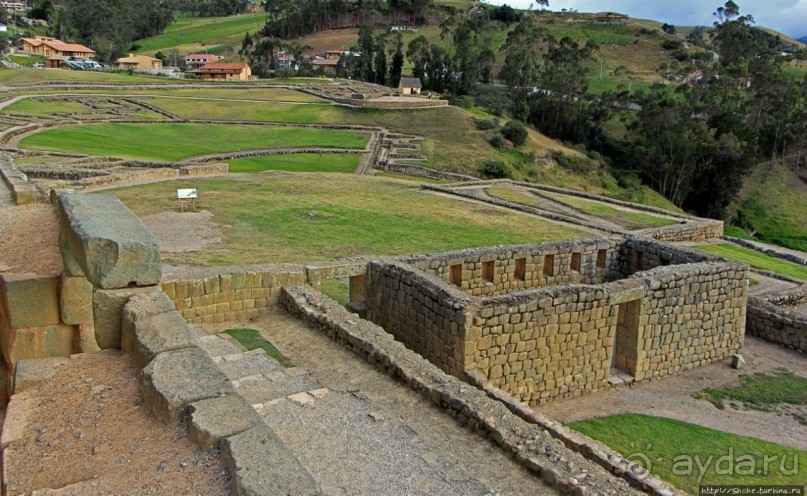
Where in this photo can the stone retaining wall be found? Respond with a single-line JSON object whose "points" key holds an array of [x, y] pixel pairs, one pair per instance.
{"points": [[773, 319], [21, 188], [530, 444], [420, 171], [770, 250]]}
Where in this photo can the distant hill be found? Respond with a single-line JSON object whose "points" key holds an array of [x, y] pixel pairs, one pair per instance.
{"points": [[803, 39]]}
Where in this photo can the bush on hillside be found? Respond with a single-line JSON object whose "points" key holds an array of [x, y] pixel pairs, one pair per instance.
{"points": [[497, 141], [495, 169], [515, 132], [485, 124]]}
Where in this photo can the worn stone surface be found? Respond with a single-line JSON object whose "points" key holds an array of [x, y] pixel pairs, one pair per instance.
{"points": [[30, 300], [29, 373], [75, 300], [106, 242], [175, 379], [59, 341], [16, 419], [261, 465], [214, 419], [38, 342], [141, 306], [85, 336], [159, 333], [107, 313]]}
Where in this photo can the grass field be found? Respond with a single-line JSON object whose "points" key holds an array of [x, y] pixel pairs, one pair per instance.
{"points": [[261, 94], [628, 219], [32, 107], [760, 391], [298, 162], [251, 111], [756, 259], [174, 142], [688, 455], [192, 33], [307, 217], [26, 60], [21, 76], [511, 195]]}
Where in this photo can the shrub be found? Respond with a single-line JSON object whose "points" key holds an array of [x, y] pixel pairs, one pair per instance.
{"points": [[671, 44], [485, 124], [515, 132], [495, 169], [507, 145], [497, 141]]}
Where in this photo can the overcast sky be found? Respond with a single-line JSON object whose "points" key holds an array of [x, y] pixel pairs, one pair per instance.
{"points": [[787, 16]]}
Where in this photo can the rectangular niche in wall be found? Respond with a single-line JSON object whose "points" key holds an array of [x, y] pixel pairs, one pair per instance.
{"points": [[521, 269], [455, 276], [639, 260], [575, 266], [549, 265], [601, 258], [626, 340], [487, 271]]}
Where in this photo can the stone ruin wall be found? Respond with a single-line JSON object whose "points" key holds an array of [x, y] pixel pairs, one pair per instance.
{"points": [[774, 319], [538, 343]]}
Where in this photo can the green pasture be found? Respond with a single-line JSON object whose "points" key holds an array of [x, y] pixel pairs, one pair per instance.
{"points": [[174, 142], [298, 162], [303, 217], [628, 219], [22, 76], [250, 111], [688, 455], [756, 259], [207, 31]]}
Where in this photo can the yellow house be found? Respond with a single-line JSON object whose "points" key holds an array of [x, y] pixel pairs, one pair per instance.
{"points": [[410, 86], [139, 62], [224, 71], [51, 47]]}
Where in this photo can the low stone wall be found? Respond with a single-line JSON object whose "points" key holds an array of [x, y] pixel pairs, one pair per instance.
{"points": [[420, 171], [790, 256], [22, 189], [700, 230], [772, 318], [530, 444]]}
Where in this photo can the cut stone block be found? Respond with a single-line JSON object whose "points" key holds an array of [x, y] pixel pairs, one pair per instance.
{"points": [[247, 364], [29, 373], [15, 424], [138, 307], [260, 464], [106, 242], [30, 300], [216, 346], [107, 311], [75, 300], [175, 379], [85, 338], [160, 333], [214, 419], [58, 341]]}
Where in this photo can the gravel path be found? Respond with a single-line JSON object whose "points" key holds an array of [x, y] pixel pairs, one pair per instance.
{"points": [[368, 434]]}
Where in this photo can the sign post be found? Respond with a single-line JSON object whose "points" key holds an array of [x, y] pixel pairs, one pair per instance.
{"points": [[187, 196]]}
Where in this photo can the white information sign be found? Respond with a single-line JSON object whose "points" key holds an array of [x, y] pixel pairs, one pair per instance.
{"points": [[186, 194]]}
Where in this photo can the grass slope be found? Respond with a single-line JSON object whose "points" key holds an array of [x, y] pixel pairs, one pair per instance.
{"points": [[197, 33], [325, 216], [298, 162], [22, 76], [688, 455], [174, 142], [250, 111], [626, 218], [774, 205], [756, 259]]}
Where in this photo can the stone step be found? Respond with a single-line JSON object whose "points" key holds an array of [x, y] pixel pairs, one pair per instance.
{"points": [[262, 389]]}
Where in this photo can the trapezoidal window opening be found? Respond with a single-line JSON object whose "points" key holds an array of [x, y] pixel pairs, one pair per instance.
{"points": [[520, 273], [455, 275], [549, 265], [575, 265], [487, 271], [639, 260]]}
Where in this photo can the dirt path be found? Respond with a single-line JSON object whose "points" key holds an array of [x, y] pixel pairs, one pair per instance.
{"points": [[373, 435], [768, 285], [672, 397], [89, 434]]}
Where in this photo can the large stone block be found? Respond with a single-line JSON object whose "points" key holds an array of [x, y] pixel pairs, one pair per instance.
{"points": [[107, 307], [75, 300], [214, 419], [175, 379], [141, 306], [30, 300], [29, 373], [106, 242], [160, 333], [261, 465], [58, 341]]}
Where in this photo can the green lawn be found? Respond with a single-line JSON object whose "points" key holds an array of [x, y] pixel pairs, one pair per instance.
{"points": [[252, 340], [26, 60], [628, 219], [756, 259], [251, 111], [174, 142], [262, 94], [298, 162], [21, 76], [306, 217], [688, 455], [760, 391], [31, 106], [210, 31]]}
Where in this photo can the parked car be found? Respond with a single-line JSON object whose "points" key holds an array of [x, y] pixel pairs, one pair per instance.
{"points": [[38, 65]]}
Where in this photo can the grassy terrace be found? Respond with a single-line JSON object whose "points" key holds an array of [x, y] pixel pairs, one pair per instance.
{"points": [[174, 142], [512, 195], [325, 216], [756, 259], [628, 219], [298, 162], [251, 111], [20, 76], [204, 32], [686, 455]]}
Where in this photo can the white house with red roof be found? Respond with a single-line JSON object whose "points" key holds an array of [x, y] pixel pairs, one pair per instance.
{"points": [[197, 60]]}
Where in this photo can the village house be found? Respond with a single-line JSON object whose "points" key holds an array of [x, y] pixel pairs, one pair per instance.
{"points": [[610, 18], [330, 62], [226, 71], [410, 86], [15, 6], [51, 47], [139, 62], [197, 60]]}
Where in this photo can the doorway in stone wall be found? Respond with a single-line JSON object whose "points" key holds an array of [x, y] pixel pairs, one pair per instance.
{"points": [[626, 342]]}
